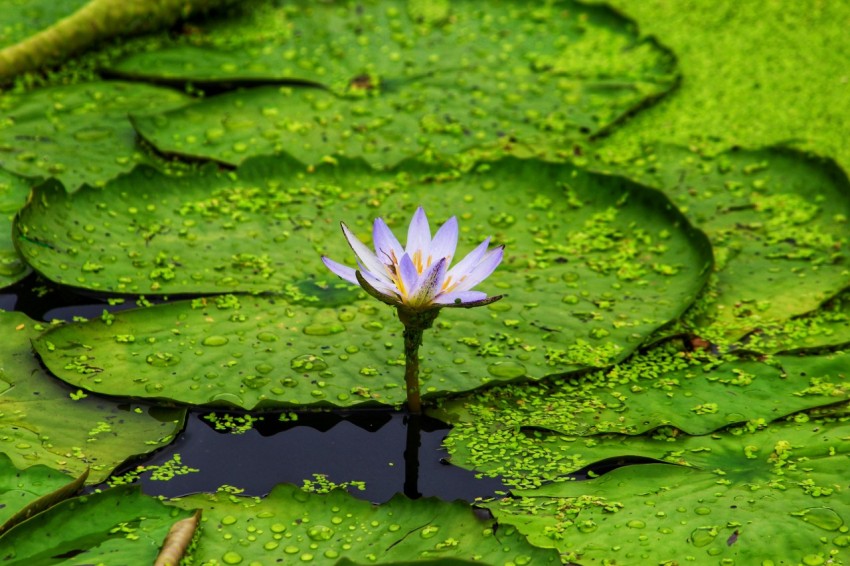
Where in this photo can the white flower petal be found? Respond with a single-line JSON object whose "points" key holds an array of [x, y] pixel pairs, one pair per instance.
{"points": [[429, 284], [387, 246], [340, 270], [462, 296], [363, 253], [418, 235], [444, 243], [481, 271]]}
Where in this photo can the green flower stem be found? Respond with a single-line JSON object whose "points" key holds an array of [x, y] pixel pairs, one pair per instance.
{"points": [[412, 340], [415, 324]]}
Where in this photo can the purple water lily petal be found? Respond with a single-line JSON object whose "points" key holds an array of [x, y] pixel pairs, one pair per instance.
{"points": [[363, 253], [444, 243], [482, 270], [418, 234], [382, 287], [469, 261], [340, 270], [408, 276], [387, 247], [429, 284]]}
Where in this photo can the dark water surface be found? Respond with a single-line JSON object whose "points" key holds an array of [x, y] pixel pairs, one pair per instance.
{"points": [[377, 447], [368, 447]]}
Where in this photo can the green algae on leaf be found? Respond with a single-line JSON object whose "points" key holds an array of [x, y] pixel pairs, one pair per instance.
{"points": [[827, 327], [45, 132], [42, 423], [696, 394], [777, 220], [335, 43], [747, 85], [326, 528], [13, 195], [313, 124], [397, 83], [744, 495], [23, 493], [116, 526]]}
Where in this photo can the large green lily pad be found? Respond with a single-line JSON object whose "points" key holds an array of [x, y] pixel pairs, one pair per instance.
{"points": [[79, 134], [43, 421], [777, 220], [116, 526], [13, 194], [693, 393], [403, 78], [293, 525], [616, 259], [777, 494]]}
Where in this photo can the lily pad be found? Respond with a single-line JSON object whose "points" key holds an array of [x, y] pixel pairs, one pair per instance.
{"points": [[43, 421], [662, 387], [404, 78], [13, 195], [294, 525], [777, 494], [23, 493], [45, 132], [617, 259], [777, 220], [116, 526]]}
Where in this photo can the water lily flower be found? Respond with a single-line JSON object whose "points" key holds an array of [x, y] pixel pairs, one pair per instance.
{"points": [[418, 277]]}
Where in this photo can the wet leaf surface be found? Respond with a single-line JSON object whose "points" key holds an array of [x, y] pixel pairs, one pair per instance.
{"points": [[746, 495], [116, 526], [43, 421], [695, 394], [398, 81], [45, 132], [777, 220], [323, 528], [26, 492], [615, 257], [826, 327], [596, 267], [13, 194]]}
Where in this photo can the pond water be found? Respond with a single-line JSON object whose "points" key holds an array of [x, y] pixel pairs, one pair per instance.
{"points": [[376, 447]]}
